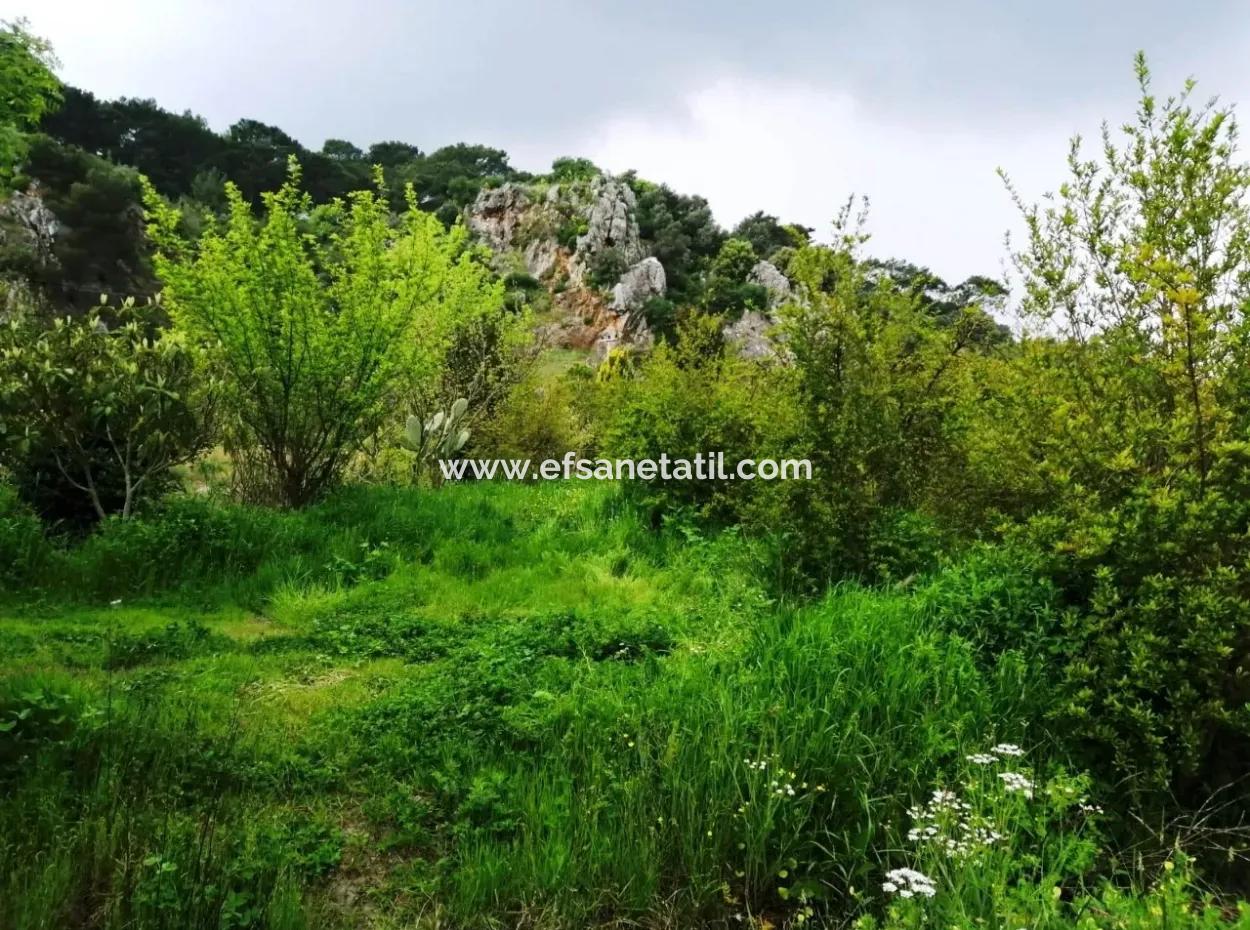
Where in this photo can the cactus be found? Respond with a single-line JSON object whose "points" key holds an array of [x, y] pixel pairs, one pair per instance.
{"points": [[439, 437]]}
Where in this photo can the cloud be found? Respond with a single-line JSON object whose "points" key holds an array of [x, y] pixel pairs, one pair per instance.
{"points": [[754, 105], [799, 151]]}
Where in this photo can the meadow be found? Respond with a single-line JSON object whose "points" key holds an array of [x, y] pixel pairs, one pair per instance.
{"points": [[518, 706]]}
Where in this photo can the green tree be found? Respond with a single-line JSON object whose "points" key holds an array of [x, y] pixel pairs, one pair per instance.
{"points": [[728, 290], [317, 338], [99, 246], [97, 411], [767, 234], [342, 150], [877, 387], [680, 231], [1137, 277], [30, 89], [573, 169]]}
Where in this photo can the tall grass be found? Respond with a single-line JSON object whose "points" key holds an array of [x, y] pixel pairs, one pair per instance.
{"points": [[501, 706]]}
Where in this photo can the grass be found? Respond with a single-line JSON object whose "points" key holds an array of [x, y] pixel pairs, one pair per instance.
{"points": [[488, 706]]}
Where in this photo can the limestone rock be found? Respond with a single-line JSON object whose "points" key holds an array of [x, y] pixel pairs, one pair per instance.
{"points": [[541, 256], [27, 223], [750, 335], [497, 214], [638, 285], [611, 222], [769, 277]]}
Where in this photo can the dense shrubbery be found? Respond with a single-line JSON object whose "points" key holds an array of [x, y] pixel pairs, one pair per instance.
{"points": [[696, 398], [95, 412], [1113, 448], [316, 340]]}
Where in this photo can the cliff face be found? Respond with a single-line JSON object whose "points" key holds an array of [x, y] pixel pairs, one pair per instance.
{"points": [[579, 240]]}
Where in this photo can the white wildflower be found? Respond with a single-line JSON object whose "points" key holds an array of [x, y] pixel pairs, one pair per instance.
{"points": [[1014, 781], [1007, 749], [908, 883]]}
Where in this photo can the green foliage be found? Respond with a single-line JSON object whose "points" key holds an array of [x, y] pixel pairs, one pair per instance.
{"points": [[448, 179], [728, 292], [573, 169], [99, 247], [693, 398], [767, 235], [876, 391], [30, 89], [520, 672], [681, 232], [966, 304], [661, 316], [98, 414], [316, 339], [1136, 429], [605, 267], [538, 419]]}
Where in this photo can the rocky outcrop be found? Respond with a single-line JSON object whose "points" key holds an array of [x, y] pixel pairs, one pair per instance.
{"points": [[26, 224], [497, 214], [749, 334], [560, 232], [542, 256], [769, 277], [610, 222], [639, 284]]}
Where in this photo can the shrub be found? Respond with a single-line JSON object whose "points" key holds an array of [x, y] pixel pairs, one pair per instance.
{"points": [[997, 598], [875, 387], [605, 267], [315, 339], [537, 420], [1134, 423], [94, 417], [692, 399]]}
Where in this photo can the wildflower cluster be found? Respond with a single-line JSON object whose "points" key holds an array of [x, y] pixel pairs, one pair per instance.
{"points": [[949, 824], [907, 883], [1014, 781]]}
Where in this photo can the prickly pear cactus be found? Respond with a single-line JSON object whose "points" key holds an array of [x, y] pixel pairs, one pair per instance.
{"points": [[439, 437]]}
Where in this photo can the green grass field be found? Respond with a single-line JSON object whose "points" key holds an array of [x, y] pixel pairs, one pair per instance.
{"points": [[487, 706]]}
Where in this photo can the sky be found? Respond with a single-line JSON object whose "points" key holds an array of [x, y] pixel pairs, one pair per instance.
{"points": [[787, 108]]}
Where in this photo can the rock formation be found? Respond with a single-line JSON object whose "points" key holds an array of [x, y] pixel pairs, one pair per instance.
{"points": [[26, 224], [750, 333], [560, 233], [769, 277], [639, 284]]}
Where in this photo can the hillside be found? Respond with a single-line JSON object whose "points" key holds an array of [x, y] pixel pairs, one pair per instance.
{"points": [[574, 244]]}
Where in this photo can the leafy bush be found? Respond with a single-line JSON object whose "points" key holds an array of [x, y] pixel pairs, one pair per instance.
{"points": [[538, 419], [605, 267], [997, 598], [94, 417], [728, 291], [573, 169], [690, 399], [1134, 423], [26, 64], [370, 310]]}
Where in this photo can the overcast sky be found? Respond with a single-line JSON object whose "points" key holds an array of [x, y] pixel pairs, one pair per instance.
{"points": [[785, 107]]}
